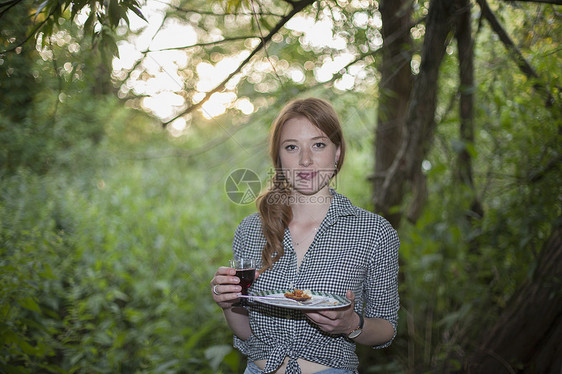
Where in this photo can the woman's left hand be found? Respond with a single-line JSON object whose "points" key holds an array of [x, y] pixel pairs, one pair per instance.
{"points": [[336, 321]]}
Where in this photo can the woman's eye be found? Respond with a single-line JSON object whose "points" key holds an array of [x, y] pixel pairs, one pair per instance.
{"points": [[319, 145], [290, 147]]}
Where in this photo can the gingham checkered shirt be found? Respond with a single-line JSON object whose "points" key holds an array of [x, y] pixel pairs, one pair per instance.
{"points": [[353, 250]]}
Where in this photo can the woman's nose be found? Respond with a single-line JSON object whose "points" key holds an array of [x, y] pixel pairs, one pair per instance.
{"points": [[305, 158]]}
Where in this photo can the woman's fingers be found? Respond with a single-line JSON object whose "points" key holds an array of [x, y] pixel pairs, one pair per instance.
{"points": [[224, 286], [225, 271], [334, 321], [226, 289], [338, 324], [224, 275]]}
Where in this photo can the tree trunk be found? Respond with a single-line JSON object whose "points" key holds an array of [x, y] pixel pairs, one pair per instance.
{"points": [[466, 108], [405, 169], [528, 334], [466, 91], [395, 87]]}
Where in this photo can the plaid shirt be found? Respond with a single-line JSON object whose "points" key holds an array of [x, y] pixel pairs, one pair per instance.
{"points": [[353, 250]]}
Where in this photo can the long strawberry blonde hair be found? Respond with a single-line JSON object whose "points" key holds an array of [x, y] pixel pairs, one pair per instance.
{"points": [[273, 205]]}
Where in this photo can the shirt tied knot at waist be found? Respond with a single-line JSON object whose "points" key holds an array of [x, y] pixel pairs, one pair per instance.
{"points": [[275, 360]]}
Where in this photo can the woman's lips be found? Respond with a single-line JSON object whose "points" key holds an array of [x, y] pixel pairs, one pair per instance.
{"points": [[307, 175]]}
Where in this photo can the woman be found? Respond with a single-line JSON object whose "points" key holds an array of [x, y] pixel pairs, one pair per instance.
{"points": [[308, 236]]}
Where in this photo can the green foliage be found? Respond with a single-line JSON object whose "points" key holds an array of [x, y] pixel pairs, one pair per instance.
{"points": [[112, 228], [459, 271], [47, 116], [44, 20], [111, 273]]}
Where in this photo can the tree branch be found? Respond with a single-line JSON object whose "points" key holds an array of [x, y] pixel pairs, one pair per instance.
{"points": [[232, 39], [7, 6], [211, 13], [261, 37], [31, 34], [297, 7], [523, 65], [190, 153], [552, 165], [145, 52], [555, 2]]}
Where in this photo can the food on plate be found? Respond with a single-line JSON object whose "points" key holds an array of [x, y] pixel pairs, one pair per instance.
{"points": [[299, 295]]}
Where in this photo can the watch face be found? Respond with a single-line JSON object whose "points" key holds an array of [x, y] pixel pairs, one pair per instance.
{"points": [[355, 334]]}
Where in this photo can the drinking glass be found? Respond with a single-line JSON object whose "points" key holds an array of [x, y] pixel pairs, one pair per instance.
{"points": [[246, 272]]}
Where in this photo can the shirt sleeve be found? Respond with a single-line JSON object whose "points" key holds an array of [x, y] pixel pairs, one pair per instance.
{"points": [[381, 286], [247, 241], [238, 243], [238, 240]]}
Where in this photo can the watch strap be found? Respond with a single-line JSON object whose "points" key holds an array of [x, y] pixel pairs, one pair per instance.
{"points": [[355, 332]]}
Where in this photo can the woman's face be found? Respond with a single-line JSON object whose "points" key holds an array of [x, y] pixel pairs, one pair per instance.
{"points": [[307, 156]]}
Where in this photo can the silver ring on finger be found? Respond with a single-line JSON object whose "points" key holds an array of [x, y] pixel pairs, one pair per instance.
{"points": [[215, 289]]}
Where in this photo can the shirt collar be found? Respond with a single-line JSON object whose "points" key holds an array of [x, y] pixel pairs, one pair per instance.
{"points": [[339, 207]]}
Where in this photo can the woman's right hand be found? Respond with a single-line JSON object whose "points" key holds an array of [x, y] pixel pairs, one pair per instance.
{"points": [[225, 288]]}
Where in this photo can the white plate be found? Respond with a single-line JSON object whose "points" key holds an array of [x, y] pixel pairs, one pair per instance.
{"points": [[319, 300]]}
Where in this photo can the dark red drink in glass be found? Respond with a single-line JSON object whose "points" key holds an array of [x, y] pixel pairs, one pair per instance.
{"points": [[246, 272], [247, 277]]}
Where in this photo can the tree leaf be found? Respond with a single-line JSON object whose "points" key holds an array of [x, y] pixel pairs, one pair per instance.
{"points": [[29, 303]]}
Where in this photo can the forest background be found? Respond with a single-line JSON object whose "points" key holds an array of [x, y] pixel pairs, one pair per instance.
{"points": [[114, 205]]}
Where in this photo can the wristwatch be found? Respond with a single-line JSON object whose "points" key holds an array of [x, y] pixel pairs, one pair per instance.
{"points": [[355, 333]]}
